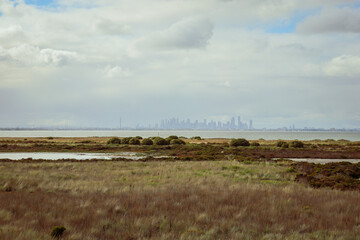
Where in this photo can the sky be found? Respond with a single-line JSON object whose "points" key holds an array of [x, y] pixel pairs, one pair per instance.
{"points": [[87, 63]]}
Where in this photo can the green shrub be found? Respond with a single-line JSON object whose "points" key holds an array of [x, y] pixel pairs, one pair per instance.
{"points": [[160, 141], [147, 141], [254, 144], [169, 138], [172, 137], [177, 142], [280, 143], [125, 140], [285, 145], [197, 138], [239, 142], [114, 140], [139, 137], [296, 144], [57, 231], [134, 141]]}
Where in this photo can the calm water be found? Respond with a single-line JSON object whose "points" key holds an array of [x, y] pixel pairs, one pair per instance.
{"points": [[323, 161], [77, 156], [251, 135]]}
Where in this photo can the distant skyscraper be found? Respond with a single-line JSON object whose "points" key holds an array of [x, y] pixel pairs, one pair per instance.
{"points": [[250, 124], [232, 124], [239, 125]]}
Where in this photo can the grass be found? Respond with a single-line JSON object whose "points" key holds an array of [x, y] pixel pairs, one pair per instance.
{"points": [[170, 200], [216, 192]]}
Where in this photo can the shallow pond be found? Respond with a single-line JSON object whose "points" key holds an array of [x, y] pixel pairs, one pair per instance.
{"points": [[62, 155], [323, 161]]}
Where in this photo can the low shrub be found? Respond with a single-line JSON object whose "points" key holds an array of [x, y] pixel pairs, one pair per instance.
{"points": [[169, 138], [139, 137], [197, 138], [172, 137], [57, 231], [280, 143], [296, 144], [177, 142], [114, 140], [134, 141], [285, 145], [125, 140], [254, 144], [239, 142], [147, 141], [160, 141]]}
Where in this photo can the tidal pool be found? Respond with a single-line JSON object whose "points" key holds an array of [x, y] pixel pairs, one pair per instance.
{"points": [[62, 155]]}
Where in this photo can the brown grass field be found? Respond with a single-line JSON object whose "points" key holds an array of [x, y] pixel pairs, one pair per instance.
{"points": [[228, 198]]}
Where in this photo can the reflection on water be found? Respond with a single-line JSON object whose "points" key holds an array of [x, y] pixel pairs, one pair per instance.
{"points": [[77, 156], [323, 161]]}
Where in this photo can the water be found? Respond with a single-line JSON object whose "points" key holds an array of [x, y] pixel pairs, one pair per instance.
{"points": [[251, 135], [77, 156], [323, 161]]}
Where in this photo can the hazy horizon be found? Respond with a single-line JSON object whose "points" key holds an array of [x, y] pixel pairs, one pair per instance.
{"points": [[89, 63]]}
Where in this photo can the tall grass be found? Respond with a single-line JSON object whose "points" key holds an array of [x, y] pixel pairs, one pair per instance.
{"points": [[179, 200]]}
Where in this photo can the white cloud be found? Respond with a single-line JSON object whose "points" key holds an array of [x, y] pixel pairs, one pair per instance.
{"points": [[343, 66], [12, 35], [32, 55], [332, 20], [115, 72]]}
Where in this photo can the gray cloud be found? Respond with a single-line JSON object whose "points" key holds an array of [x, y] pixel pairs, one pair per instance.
{"points": [[332, 20], [107, 26], [185, 34]]}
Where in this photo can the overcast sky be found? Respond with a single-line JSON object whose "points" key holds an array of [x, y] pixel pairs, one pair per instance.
{"points": [[87, 63]]}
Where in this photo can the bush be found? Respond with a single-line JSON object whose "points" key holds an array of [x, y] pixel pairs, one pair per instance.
{"points": [[160, 141], [285, 145], [297, 144], [114, 140], [177, 142], [169, 138], [139, 137], [254, 144], [239, 142], [125, 140], [280, 143], [134, 141], [57, 231], [147, 141], [197, 137]]}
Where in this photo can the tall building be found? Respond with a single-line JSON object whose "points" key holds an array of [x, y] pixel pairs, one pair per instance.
{"points": [[239, 125], [250, 124], [232, 124]]}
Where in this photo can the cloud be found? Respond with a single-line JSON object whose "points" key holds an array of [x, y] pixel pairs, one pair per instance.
{"points": [[343, 66], [112, 50], [186, 34], [11, 35], [344, 20], [115, 72], [32, 55], [107, 26]]}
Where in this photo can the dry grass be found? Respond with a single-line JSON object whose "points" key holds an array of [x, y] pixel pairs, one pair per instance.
{"points": [[169, 200]]}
